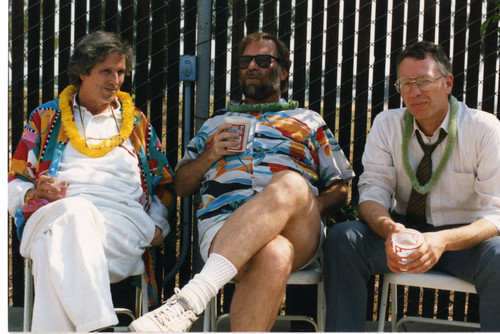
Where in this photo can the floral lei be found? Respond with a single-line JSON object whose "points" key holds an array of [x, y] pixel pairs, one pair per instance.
{"points": [[236, 107], [99, 150], [450, 143]]}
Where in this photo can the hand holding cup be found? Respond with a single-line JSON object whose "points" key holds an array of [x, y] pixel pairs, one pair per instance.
{"points": [[48, 187], [241, 126], [405, 243]]}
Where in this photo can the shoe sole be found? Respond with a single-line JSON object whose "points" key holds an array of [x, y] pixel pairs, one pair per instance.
{"points": [[131, 328]]}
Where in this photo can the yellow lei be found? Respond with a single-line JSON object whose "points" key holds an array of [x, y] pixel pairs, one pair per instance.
{"points": [[99, 150]]}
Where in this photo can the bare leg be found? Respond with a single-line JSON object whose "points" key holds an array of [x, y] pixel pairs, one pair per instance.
{"points": [[285, 207], [274, 233], [261, 286], [271, 235]]}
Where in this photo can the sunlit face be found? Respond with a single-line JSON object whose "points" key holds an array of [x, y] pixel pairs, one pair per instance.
{"points": [[431, 106], [262, 85], [99, 88]]}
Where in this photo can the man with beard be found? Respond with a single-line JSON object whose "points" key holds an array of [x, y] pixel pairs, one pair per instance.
{"points": [[260, 217]]}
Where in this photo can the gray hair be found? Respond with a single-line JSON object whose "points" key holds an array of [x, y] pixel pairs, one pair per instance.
{"points": [[95, 48], [420, 50]]}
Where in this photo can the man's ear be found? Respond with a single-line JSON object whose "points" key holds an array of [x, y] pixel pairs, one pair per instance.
{"points": [[448, 81], [284, 74]]}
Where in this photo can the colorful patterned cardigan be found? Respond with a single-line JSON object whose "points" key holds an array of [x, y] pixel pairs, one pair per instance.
{"points": [[44, 137]]}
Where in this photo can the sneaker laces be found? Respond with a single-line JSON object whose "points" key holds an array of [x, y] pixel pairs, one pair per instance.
{"points": [[175, 307]]}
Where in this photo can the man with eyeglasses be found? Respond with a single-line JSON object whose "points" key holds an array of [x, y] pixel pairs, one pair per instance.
{"points": [[434, 167], [260, 217], [90, 189]]}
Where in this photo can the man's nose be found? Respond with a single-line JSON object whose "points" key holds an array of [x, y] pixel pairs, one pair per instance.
{"points": [[116, 76], [415, 88], [253, 64]]}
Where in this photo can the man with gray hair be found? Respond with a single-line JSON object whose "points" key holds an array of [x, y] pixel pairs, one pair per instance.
{"points": [[89, 188], [434, 167]]}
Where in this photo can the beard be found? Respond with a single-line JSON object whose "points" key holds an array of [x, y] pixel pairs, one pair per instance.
{"points": [[269, 85]]}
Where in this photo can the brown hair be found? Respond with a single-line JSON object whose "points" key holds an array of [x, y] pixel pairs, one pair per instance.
{"points": [[95, 48], [283, 52], [420, 50]]}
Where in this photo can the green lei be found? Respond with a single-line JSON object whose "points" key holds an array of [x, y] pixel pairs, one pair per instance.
{"points": [[450, 143], [236, 107]]}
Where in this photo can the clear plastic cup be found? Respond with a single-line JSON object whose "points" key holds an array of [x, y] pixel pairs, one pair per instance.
{"points": [[406, 243], [62, 182]]}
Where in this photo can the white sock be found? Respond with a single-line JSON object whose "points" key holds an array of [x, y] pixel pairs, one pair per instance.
{"points": [[216, 272]]}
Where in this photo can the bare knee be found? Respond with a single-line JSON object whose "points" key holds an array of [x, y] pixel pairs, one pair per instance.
{"points": [[277, 256], [273, 261], [290, 188]]}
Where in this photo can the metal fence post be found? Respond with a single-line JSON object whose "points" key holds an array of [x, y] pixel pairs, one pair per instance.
{"points": [[203, 65]]}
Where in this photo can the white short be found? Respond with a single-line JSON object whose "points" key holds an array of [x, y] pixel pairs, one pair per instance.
{"points": [[209, 236]]}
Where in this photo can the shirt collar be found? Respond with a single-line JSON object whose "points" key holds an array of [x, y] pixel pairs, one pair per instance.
{"points": [[115, 105], [444, 125], [280, 101]]}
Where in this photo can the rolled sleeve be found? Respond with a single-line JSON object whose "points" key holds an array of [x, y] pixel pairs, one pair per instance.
{"points": [[487, 183], [17, 190], [158, 213], [378, 181]]}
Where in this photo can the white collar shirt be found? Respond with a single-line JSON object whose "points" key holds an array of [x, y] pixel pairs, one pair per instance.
{"points": [[467, 190]]}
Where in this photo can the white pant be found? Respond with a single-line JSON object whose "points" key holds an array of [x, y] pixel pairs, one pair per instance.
{"points": [[68, 241]]}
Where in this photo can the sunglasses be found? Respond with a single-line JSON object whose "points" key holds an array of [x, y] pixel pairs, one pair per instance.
{"points": [[263, 61]]}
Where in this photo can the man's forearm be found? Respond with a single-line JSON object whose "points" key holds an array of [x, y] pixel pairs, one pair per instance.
{"points": [[189, 177], [468, 236], [333, 198], [377, 218]]}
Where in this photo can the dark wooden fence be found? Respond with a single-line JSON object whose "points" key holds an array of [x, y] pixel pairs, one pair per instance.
{"points": [[343, 67]]}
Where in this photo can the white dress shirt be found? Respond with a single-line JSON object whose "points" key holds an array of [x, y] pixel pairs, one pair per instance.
{"points": [[469, 187]]}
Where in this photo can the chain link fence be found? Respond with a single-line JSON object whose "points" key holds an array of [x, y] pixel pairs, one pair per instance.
{"points": [[343, 66]]}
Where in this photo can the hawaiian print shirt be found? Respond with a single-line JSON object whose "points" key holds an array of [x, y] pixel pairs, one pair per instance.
{"points": [[297, 140]]}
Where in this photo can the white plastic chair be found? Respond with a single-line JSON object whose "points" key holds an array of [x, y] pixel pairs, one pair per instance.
{"points": [[430, 279], [312, 275], [141, 298]]}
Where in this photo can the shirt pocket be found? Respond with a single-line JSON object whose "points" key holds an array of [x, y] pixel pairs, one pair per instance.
{"points": [[463, 191]]}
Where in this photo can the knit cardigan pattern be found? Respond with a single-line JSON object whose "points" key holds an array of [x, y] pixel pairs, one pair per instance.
{"points": [[44, 138]]}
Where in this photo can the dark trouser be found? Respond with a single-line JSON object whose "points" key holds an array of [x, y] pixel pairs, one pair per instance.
{"points": [[353, 252]]}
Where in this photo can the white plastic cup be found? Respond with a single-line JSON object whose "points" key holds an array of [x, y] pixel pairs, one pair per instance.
{"points": [[406, 243], [62, 182], [240, 125]]}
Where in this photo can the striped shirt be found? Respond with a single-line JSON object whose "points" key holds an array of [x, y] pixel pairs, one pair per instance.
{"points": [[297, 140]]}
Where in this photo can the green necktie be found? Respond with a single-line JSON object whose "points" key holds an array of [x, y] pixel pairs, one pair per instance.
{"points": [[415, 213]]}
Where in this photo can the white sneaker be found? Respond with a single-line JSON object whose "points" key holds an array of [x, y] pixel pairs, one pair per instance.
{"points": [[176, 315]]}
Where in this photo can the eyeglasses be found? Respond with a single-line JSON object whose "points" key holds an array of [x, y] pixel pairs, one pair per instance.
{"points": [[423, 83], [263, 61]]}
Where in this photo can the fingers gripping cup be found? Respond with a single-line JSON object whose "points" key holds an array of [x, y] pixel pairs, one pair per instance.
{"points": [[240, 125], [62, 182], [406, 242]]}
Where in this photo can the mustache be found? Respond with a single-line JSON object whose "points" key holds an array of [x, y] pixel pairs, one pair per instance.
{"points": [[253, 73]]}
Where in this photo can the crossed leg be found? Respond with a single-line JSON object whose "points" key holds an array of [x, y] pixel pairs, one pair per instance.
{"points": [[273, 234]]}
